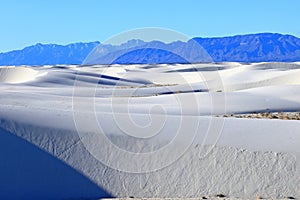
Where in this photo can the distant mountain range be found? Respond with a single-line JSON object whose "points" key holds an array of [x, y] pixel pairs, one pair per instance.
{"points": [[48, 54], [262, 47]]}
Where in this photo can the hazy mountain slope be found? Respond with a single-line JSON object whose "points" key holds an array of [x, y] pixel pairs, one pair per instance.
{"points": [[48, 54], [253, 48]]}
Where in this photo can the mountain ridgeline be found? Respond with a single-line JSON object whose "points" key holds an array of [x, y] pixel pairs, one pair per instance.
{"points": [[265, 47], [48, 54]]}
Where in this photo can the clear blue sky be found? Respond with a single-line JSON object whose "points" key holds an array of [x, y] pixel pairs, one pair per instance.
{"points": [[27, 22]]}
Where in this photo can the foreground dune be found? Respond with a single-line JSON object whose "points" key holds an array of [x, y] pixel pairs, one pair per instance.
{"points": [[149, 131]]}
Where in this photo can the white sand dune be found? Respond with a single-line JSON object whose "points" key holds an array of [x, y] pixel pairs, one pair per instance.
{"points": [[17, 74], [149, 131]]}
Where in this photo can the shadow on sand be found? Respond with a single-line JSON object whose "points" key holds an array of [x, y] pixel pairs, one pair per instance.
{"points": [[27, 172]]}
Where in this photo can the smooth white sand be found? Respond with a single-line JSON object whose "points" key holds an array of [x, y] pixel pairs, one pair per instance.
{"points": [[17, 75], [171, 114]]}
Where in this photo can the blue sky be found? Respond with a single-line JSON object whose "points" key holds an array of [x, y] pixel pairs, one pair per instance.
{"points": [[27, 22]]}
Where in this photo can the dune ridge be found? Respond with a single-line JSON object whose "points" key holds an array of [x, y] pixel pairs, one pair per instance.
{"points": [[17, 74]]}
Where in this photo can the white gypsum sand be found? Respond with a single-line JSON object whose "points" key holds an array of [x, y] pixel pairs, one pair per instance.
{"points": [[149, 131]]}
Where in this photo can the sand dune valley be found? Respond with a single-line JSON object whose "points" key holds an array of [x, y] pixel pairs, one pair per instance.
{"points": [[150, 131]]}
